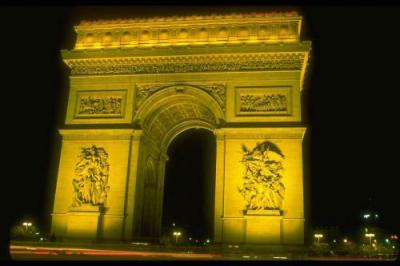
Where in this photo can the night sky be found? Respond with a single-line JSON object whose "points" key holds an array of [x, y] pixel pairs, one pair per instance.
{"points": [[350, 97]]}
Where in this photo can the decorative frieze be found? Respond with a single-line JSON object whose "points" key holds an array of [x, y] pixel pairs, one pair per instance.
{"points": [[184, 64]]}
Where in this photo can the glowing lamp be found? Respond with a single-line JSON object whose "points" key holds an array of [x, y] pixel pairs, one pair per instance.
{"points": [[176, 234], [370, 235], [318, 236]]}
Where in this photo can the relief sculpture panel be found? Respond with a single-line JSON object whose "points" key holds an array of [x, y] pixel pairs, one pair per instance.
{"points": [[262, 187], [91, 177], [263, 101], [100, 104]]}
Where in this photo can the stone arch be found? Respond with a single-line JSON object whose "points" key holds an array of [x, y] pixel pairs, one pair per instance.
{"points": [[162, 116], [176, 108], [182, 127]]}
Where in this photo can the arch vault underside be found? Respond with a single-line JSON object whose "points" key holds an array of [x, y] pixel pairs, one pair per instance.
{"points": [[130, 97]]}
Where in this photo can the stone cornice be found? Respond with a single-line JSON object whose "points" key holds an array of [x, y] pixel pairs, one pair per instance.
{"points": [[188, 19], [97, 134], [189, 63], [239, 48], [263, 133], [248, 28]]}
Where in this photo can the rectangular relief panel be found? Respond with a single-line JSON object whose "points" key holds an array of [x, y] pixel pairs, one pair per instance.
{"points": [[264, 98], [263, 101], [100, 106], [263, 183]]}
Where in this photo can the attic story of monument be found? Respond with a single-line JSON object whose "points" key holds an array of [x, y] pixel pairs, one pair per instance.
{"points": [[136, 84]]}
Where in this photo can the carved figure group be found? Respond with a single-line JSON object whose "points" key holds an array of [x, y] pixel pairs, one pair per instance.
{"points": [[97, 105], [262, 186], [90, 183], [258, 103]]}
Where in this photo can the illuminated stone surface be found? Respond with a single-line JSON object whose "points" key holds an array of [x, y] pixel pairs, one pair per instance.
{"points": [[137, 84]]}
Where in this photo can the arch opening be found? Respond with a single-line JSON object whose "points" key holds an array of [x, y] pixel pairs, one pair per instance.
{"points": [[166, 117], [188, 204]]}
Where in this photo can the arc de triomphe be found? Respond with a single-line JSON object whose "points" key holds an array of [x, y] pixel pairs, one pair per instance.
{"points": [[136, 84]]}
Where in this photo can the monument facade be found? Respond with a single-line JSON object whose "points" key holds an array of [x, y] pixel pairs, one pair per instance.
{"points": [[136, 84]]}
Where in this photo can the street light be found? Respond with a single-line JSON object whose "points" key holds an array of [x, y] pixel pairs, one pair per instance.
{"points": [[27, 224], [370, 235], [367, 215], [176, 234], [318, 236]]}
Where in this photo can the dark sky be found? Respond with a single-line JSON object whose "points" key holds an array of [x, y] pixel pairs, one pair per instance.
{"points": [[351, 94]]}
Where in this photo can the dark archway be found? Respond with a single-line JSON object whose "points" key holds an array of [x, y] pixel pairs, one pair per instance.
{"points": [[189, 185]]}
